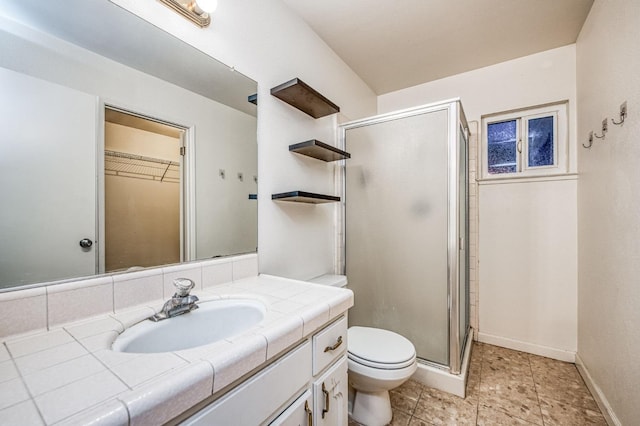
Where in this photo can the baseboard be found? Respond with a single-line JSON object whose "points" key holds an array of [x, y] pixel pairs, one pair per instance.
{"points": [[531, 348], [597, 393]]}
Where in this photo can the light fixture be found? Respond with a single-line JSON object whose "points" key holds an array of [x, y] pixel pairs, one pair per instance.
{"points": [[199, 12]]}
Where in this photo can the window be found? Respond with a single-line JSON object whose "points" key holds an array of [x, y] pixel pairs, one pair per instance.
{"points": [[526, 142]]}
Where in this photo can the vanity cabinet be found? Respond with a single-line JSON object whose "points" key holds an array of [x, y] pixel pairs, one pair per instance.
{"points": [[330, 393], [305, 387], [300, 413], [255, 399]]}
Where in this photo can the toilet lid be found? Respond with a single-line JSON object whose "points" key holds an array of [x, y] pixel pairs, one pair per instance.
{"points": [[379, 348]]}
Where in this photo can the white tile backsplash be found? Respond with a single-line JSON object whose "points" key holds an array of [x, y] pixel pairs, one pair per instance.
{"points": [[80, 299], [245, 266], [136, 288], [23, 311], [216, 272], [37, 309]]}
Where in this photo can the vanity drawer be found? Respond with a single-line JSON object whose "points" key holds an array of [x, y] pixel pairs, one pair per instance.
{"points": [[329, 344], [256, 399]]}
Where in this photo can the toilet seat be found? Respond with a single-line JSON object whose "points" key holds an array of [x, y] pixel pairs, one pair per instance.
{"points": [[381, 349]]}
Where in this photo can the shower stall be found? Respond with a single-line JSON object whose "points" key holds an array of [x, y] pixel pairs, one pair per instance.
{"points": [[405, 228]]}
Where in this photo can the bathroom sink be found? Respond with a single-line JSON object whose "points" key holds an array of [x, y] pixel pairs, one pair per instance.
{"points": [[212, 321]]}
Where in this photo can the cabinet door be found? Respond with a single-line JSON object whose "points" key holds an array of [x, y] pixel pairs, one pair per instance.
{"points": [[330, 393], [298, 414]]}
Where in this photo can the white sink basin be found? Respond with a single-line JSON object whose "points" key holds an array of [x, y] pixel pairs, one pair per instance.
{"points": [[213, 321]]}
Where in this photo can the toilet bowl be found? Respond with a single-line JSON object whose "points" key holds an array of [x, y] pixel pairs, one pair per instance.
{"points": [[378, 361]]}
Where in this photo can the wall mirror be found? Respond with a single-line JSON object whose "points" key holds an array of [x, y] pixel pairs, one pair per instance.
{"points": [[103, 114]]}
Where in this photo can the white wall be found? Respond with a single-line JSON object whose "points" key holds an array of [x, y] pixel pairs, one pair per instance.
{"points": [[267, 42], [508, 301], [609, 205]]}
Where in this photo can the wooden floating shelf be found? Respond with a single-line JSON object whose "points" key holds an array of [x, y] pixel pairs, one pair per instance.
{"points": [[305, 197], [253, 98], [302, 96], [319, 150]]}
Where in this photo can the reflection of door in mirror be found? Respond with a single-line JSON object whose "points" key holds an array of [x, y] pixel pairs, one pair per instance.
{"points": [[142, 192], [47, 181]]}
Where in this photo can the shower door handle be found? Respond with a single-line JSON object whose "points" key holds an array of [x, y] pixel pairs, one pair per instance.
{"points": [[461, 243]]}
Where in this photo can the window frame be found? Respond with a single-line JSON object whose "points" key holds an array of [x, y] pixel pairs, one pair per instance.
{"points": [[522, 117]]}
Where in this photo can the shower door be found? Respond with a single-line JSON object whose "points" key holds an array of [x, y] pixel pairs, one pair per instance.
{"points": [[405, 228]]}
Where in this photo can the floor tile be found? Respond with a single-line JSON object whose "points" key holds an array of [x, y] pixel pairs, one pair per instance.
{"points": [[440, 408], [400, 419], [504, 387], [558, 413], [401, 403], [550, 368], [488, 416], [566, 392]]}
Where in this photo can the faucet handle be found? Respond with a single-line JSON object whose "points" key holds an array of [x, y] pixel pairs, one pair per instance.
{"points": [[183, 286]]}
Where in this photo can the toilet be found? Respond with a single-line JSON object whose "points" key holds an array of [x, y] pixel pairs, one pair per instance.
{"points": [[378, 361]]}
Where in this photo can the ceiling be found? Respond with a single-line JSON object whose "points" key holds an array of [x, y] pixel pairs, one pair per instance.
{"points": [[394, 44]]}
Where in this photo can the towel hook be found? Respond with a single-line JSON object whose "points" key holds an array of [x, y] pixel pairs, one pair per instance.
{"points": [[590, 141], [623, 114], [605, 128]]}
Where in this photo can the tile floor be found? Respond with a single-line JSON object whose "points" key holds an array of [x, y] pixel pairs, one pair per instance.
{"points": [[505, 387]]}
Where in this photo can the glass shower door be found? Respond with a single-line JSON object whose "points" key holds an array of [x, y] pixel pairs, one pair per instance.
{"points": [[396, 229], [463, 235]]}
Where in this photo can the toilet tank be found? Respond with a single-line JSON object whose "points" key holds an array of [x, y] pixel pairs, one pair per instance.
{"points": [[330, 279]]}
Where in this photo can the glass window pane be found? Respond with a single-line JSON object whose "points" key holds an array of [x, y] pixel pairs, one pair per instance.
{"points": [[541, 142], [501, 147]]}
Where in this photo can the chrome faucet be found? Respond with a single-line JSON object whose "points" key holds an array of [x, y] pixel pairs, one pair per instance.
{"points": [[181, 302]]}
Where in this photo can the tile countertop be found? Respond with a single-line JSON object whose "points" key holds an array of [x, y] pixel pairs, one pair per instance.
{"points": [[70, 376]]}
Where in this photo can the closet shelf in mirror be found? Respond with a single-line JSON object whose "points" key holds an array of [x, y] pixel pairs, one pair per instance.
{"points": [[123, 164], [319, 150], [305, 197], [302, 96]]}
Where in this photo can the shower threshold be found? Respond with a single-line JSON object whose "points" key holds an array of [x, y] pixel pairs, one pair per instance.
{"points": [[438, 376]]}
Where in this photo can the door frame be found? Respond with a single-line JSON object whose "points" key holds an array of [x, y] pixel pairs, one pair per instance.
{"points": [[187, 179]]}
